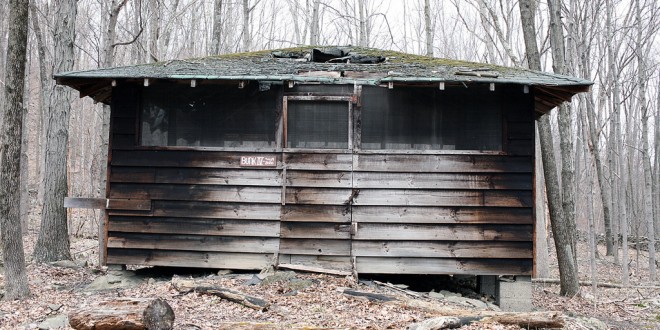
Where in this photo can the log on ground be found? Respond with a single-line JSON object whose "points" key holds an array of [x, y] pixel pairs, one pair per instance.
{"points": [[124, 314], [185, 286], [531, 320]]}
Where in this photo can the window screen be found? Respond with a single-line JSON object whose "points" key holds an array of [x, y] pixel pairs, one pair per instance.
{"points": [[208, 115], [317, 124], [430, 119]]}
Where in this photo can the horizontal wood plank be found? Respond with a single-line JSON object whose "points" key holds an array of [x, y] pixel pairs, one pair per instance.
{"points": [[443, 163], [209, 193], [419, 232], [225, 260], [216, 210], [326, 262], [315, 230], [318, 179], [237, 177], [384, 265], [318, 161], [427, 197], [128, 204], [442, 180], [443, 249], [191, 226], [184, 158], [416, 214], [316, 213], [84, 203], [320, 196], [324, 247], [193, 243]]}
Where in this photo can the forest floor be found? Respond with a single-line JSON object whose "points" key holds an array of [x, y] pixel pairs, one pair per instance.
{"points": [[311, 301]]}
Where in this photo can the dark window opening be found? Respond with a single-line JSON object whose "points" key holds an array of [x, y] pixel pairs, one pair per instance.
{"points": [[317, 125], [431, 119], [208, 115]]}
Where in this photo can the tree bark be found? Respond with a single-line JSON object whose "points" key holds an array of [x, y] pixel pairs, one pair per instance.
{"points": [[45, 87], [315, 29], [567, 269], [53, 241], [16, 283], [247, 39], [362, 37], [541, 235], [124, 314], [565, 128], [646, 154], [216, 36], [154, 30], [609, 237], [428, 28]]}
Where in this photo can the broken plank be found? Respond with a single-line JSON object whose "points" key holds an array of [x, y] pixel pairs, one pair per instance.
{"points": [[313, 269]]}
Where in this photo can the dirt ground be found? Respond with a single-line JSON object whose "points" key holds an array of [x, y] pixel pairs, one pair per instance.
{"points": [[316, 300]]}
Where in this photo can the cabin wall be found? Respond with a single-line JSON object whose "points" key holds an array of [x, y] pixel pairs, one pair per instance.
{"points": [[377, 211]]}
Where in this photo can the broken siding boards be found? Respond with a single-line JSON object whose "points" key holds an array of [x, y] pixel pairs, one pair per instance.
{"points": [[443, 214], [315, 227]]}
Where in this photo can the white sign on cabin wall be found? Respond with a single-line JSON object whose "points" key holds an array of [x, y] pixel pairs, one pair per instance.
{"points": [[258, 161]]}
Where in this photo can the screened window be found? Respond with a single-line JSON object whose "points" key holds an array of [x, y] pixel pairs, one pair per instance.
{"points": [[317, 124], [208, 115], [431, 119]]}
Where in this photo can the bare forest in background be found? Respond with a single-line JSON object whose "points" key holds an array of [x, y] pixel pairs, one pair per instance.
{"points": [[612, 130]]}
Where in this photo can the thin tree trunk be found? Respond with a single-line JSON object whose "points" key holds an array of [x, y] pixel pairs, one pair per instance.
{"points": [[246, 26], [567, 270], [541, 249], [428, 28], [16, 282], [217, 28], [53, 241], [154, 30], [646, 154], [656, 174], [609, 237], [565, 126], [315, 29], [362, 37], [45, 87]]}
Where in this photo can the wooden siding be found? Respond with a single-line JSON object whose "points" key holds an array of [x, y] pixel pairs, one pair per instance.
{"points": [[378, 211]]}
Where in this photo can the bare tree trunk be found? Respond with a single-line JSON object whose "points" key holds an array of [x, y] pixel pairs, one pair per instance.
{"points": [[45, 87], [646, 154], [541, 249], [565, 127], [362, 37], [567, 270], [217, 28], [16, 283], [53, 241], [428, 28], [315, 29], [609, 237], [656, 174], [247, 38], [154, 30], [612, 249]]}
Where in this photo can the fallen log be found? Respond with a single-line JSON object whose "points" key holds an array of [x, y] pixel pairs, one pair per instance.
{"points": [[600, 284], [124, 314], [531, 320], [185, 286], [370, 296]]}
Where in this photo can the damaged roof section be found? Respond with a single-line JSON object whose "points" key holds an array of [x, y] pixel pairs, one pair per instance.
{"points": [[332, 65]]}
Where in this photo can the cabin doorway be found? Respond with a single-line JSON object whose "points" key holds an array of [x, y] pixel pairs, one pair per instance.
{"points": [[317, 191]]}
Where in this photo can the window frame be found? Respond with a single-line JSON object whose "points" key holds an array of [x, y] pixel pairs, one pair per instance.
{"points": [[316, 98]]}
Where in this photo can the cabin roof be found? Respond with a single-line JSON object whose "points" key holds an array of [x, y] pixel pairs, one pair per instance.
{"points": [[332, 65]]}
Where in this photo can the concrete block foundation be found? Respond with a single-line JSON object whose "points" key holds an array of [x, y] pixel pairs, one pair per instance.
{"points": [[512, 293]]}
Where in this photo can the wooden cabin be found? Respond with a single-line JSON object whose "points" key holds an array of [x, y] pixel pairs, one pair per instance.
{"points": [[356, 160]]}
